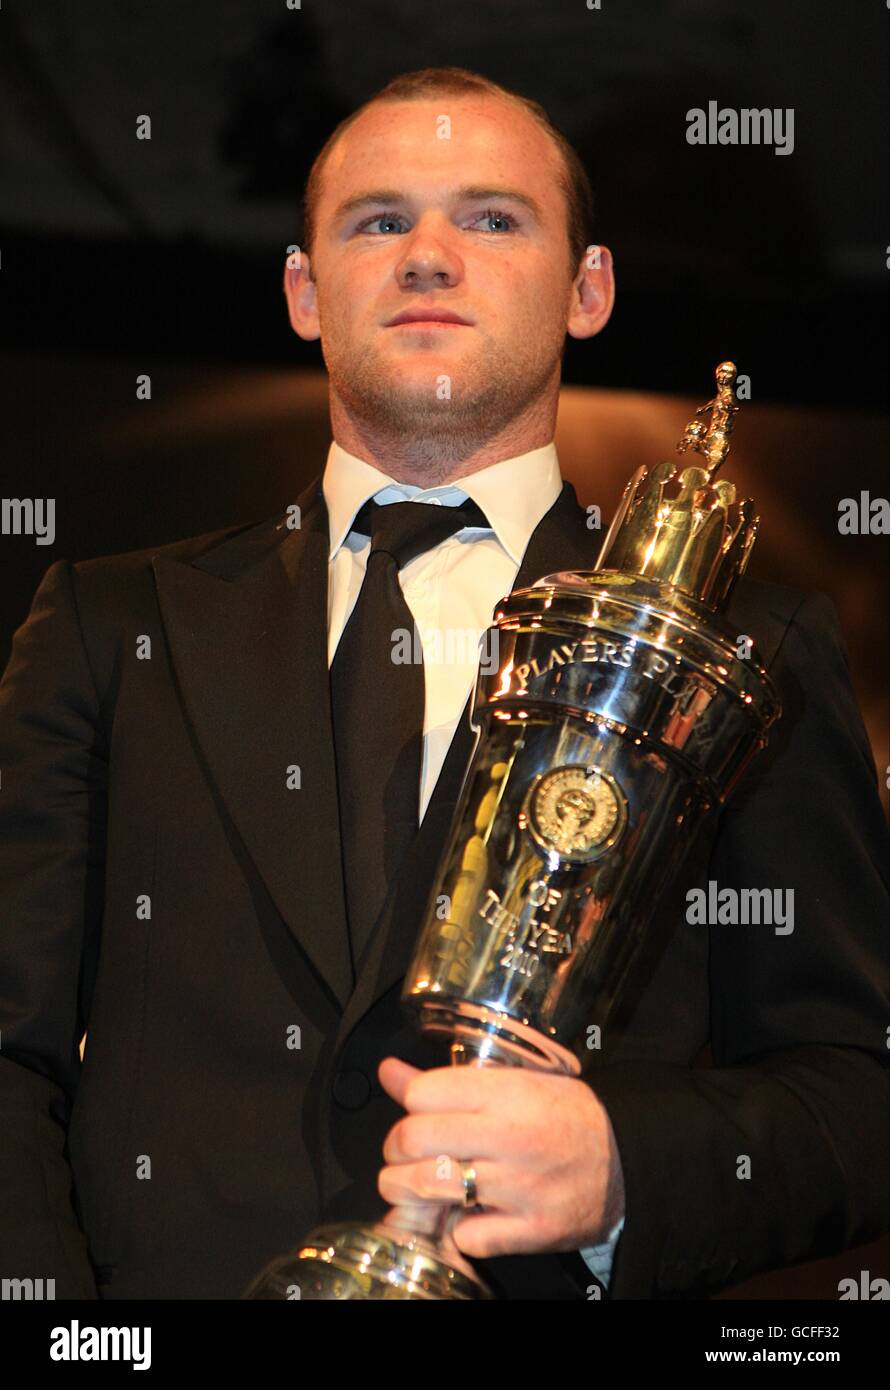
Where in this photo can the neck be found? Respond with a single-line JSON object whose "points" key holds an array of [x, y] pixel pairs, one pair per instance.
{"points": [[431, 457]]}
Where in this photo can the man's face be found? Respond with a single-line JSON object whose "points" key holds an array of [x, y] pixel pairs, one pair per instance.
{"points": [[461, 211]]}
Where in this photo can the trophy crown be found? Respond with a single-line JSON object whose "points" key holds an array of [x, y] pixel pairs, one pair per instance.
{"points": [[680, 527]]}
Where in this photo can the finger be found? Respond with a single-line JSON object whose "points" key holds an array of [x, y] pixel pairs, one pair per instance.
{"points": [[415, 1137], [435, 1180], [465, 1088], [484, 1235]]}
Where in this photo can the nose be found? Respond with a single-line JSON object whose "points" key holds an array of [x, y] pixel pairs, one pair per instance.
{"points": [[427, 261]]}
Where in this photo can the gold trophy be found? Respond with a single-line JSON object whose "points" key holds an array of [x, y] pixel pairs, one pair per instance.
{"points": [[621, 714]]}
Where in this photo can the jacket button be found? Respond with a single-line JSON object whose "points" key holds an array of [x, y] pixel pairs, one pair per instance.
{"points": [[351, 1089]]}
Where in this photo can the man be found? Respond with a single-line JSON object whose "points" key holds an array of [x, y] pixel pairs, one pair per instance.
{"points": [[215, 853]]}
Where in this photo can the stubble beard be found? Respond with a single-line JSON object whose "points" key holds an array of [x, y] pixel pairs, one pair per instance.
{"points": [[424, 427]]}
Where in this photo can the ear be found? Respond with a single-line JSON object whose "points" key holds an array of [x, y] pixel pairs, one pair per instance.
{"points": [[299, 291], [593, 293]]}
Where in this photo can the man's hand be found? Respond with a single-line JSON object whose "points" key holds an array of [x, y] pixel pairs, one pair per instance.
{"points": [[548, 1172]]}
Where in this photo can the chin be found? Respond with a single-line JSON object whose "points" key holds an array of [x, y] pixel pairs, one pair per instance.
{"points": [[422, 352]]}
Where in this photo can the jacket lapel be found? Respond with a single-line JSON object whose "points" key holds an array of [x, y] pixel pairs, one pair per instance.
{"points": [[561, 541], [246, 626]]}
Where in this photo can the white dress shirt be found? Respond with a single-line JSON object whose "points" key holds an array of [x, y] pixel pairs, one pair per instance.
{"points": [[451, 591]]}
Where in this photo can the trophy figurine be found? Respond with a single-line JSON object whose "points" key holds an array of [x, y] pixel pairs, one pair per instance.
{"points": [[620, 713]]}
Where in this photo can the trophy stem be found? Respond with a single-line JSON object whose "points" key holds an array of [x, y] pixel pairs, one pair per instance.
{"points": [[427, 1219]]}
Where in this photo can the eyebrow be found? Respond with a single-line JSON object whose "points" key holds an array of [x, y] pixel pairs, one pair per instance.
{"points": [[468, 194]]}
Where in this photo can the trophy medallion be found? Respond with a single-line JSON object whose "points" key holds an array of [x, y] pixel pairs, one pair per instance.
{"points": [[575, 812]]}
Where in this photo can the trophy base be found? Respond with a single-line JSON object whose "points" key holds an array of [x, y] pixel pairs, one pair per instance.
{"points": [[366, 1262]]}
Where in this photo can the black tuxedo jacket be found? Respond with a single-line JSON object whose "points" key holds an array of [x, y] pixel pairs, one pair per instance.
{"points": [[171, 885]]}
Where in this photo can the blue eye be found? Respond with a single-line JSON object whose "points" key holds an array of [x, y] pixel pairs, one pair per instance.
{"points": [[379, 217], [495, 214], [491, 214]]}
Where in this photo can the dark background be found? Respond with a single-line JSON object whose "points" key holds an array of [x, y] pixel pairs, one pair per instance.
{"points": [[120, 256], [173, 246]]}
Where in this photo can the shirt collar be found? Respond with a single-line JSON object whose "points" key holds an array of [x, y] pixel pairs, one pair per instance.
{"points": [[513, 493]]}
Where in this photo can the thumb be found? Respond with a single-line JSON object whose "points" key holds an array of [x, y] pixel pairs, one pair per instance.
{"points": [[395, 1075]]}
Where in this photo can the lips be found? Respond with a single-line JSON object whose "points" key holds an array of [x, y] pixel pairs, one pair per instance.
{"points": [[431, 315]]}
